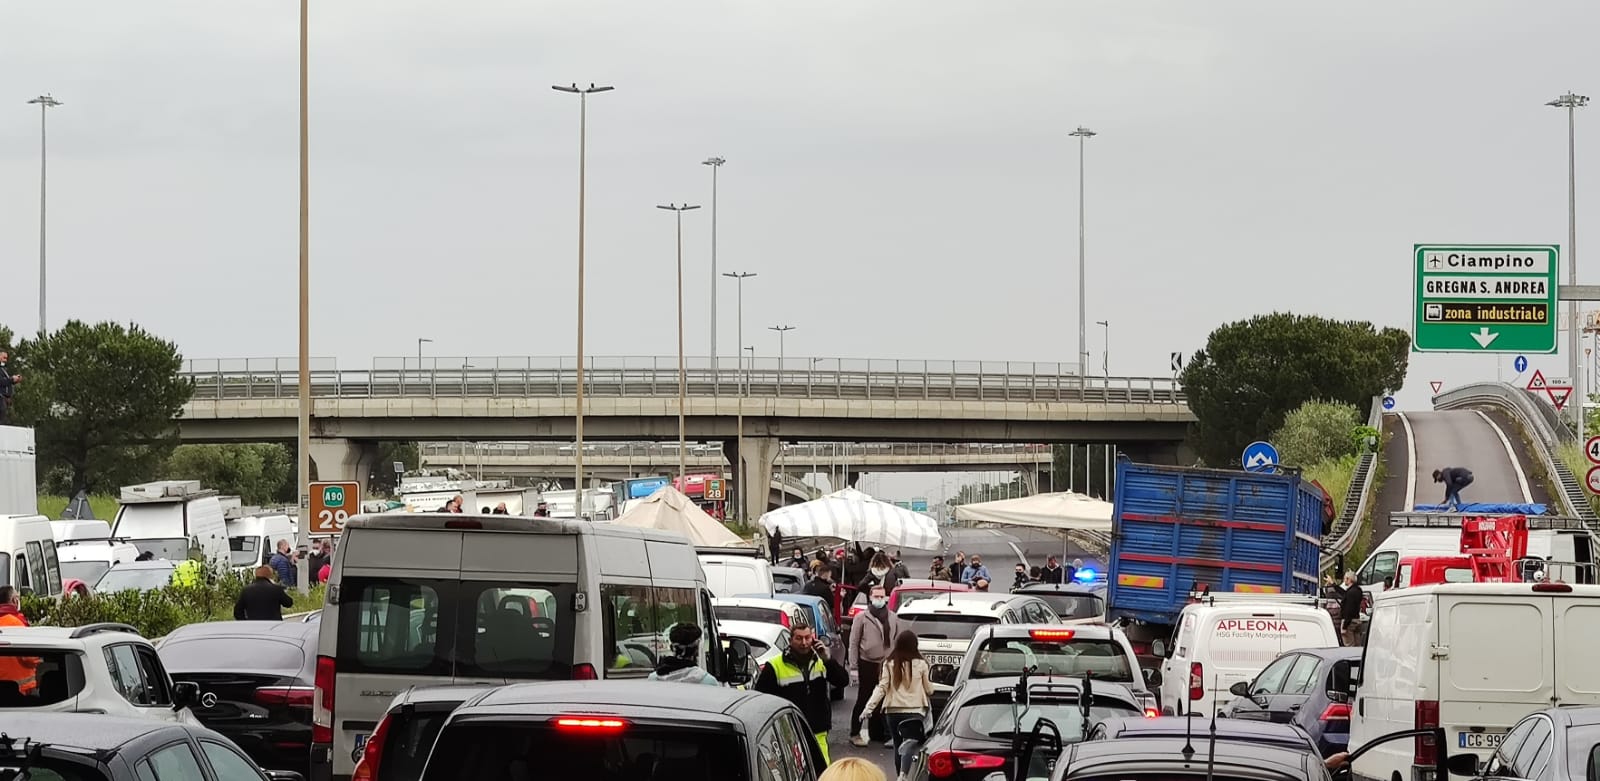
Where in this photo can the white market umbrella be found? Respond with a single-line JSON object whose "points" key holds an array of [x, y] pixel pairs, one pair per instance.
{"points": [[669, 510], [1063, 510], [852, 516]]}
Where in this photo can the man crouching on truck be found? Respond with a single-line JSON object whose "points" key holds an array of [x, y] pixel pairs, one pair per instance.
{"points": [[1454, 478]]}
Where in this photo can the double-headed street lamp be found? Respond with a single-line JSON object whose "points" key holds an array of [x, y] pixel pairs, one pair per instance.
{"points": [[783, 491], [583, 139], [45, 103], [683, 377], [1082, 134], [1105, 355], [716, 164], [744, 389], [1570, 102]]}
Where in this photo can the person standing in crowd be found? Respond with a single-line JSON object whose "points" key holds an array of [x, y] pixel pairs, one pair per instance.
{"points": [[21, 670], [683, 666], [938, 571], [283, 564], [1052, 571], [821, 583], [802, 675], [798, 560], [262, 600], [501, 509], [1350, 598], [872, 634], [1021, 577], [958, 567], [975, 571], [905, 691], [8, 387], [1072, 571], [774, 544], [319, 557], [542, 510], [901, 571], [880, 572]]}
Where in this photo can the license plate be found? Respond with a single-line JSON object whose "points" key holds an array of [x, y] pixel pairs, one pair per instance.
{"points": [[1480, 739], [950, 659], [361, 744]]}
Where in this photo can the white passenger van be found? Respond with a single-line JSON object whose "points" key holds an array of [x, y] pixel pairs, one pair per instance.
{"points": [[1473, 658], [417, 599], [253, 539], [731, 572], [1419, 534], [87, 551], [28, 555], [169, 517], [1228, 638]]}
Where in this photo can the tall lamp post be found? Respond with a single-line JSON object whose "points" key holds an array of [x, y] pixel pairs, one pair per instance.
{"points": [[783, 477], [583, 158], [1105, 355], [715, 163], [420, 342], [45, 103], [744, 390], [1570, 102], [683, 377], [303, 541], [1082, 134]]}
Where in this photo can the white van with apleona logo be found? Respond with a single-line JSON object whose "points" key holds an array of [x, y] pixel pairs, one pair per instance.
{"points": [[1229, 638]]}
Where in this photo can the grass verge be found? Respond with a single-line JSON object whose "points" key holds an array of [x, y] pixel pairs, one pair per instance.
{"points": [[104, 507], [1572, 457]]}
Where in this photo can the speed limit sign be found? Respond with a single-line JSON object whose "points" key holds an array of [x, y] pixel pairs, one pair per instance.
{"points": [[332, 505], [1592, 450]]}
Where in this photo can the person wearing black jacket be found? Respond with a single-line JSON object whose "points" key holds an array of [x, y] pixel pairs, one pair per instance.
{"points": [[802, 675], [1454, 478], [821, 586], [8, 387], [1350, 599], [262, 600]]}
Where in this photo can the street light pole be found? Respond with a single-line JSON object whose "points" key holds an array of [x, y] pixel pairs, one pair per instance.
{"points": [[45, 103], [303, 565], [1082, 134], [583, 159], [783, 485], [420, 342], [744, 391], [1570, 102], [1105, 355], [715, 163], [683, 377]]}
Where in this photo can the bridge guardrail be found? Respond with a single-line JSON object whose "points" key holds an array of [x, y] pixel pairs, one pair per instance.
{"points": [[799, 452], [1347, 526], [272, 378]]}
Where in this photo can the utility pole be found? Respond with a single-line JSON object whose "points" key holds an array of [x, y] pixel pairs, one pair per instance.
{"points": [[744, 392], [783, 477], [1571, 102], [715, 163], [45, 103], [683, 377], [1082, 134], [303, 565]]}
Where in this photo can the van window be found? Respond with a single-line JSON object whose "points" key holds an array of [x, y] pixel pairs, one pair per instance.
{"points": [[22, 579], [5, 571], [36, 576], [637, 620], [1382, 566], [417, 626], [1248, 642], [52, 568], [242, 551]]}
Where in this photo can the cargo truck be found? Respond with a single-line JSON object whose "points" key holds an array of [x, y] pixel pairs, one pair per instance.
{"points": [[1178, 532]]}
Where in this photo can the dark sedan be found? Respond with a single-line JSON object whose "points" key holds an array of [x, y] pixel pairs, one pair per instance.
{"points": [[1285, 735], [91, 747], [1308, 688], [256, 680], [1164, 759], [973, 737], [1557, 744]]}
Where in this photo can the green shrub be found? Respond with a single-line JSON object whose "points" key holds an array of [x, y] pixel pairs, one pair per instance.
{"points": [[157, 612], [1317, 431]]}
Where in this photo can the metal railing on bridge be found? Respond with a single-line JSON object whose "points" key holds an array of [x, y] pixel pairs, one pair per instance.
{"points": [[648, 376], [795, 452]]}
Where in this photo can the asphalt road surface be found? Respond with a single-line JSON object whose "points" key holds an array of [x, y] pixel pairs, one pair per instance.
{"points": [[1473, 440]]}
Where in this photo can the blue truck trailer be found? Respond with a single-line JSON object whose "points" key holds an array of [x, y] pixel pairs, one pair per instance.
{"points": [[1178, 529]]}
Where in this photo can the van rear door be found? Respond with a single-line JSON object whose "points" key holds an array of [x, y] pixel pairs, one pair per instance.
{"points": [[1577, 636], [1238, 644], [1495, 666]]}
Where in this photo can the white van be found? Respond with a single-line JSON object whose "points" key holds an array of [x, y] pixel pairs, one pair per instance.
{"points": [[1473, 658], [731, 572], [434, 598], [28, 557], [1227, 638], [253, 539], [168, 517], [1440, 535], [86, 549]]}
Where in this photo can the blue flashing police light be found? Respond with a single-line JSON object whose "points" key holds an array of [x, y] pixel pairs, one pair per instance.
{"points": [[1086, 575]]}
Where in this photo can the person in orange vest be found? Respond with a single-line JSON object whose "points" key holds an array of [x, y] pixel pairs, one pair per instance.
{"points": [[21, 669]]}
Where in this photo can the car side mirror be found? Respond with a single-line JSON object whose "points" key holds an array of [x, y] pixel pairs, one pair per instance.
{"points": [[1467, 764], [1152, 676], [737, 656], [1159, 648], [1240, 689], [185, 694], [282, 775]]}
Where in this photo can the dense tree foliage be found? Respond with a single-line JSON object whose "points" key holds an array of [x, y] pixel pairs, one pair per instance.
{"points": [[1317, 431], [260, 474], [384, 480], [1253, 373]]}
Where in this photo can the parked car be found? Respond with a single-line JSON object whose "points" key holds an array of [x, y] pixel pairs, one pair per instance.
{"points": [[1005, 650], [1165, 758], [136, 576], [398, 748], [1285, 735], [772, 611], [1555, 744], [945, 627], [255, 679], [766, 640], [788, 580], [95, 668], [90, 747], [820, 615], [1076, 603], [1309, 688]]}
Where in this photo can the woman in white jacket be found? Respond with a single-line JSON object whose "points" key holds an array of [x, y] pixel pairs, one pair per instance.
{"points": [[905, 691]]}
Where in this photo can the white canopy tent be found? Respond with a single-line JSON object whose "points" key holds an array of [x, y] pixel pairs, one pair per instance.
{"points": [[852, 516], [669, 510], [1064, 510]]}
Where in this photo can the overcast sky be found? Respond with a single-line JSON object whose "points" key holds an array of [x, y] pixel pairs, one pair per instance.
{"points": [[899, 173]]}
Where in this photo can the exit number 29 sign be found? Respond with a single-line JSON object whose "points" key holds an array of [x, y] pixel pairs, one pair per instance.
{"points": [[332, 504]]}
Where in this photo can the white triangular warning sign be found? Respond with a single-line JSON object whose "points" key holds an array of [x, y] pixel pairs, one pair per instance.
{"points": [[1558, 395], [1436, 385], [1537, 383]]}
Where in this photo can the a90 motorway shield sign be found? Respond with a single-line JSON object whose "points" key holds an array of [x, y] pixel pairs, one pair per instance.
{"points": [[332, 504]]}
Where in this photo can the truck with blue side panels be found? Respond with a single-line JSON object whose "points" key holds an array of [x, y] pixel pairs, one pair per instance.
{"points": [[1179, 530]]}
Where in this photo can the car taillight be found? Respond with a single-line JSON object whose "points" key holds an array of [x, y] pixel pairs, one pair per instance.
{"points": [[856, 611], [1336, 711], [1051, 635], [588, 724], [292, 696], [944, 764], [1427, 717], [783, 618], [584, 672], [322, 701], [1197, 677], [1559, 588], [372, 753], [1151, 713]]}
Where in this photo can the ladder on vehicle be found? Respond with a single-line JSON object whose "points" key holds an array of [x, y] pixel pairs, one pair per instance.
{"points": [[1494, 546]]}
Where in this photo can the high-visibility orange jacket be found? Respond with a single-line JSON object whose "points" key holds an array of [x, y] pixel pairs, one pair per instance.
{"points": [[21, 669]]}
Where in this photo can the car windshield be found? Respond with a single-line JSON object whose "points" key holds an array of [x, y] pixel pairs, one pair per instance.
{"points": [[242, 551], [127, 579], [508, 752], [989, 718], [47, 677], [946, 626], [760, 615], [171, 548], [1071, 604], [86, 571], [906, 595], [1102, 659], [411, 735]]}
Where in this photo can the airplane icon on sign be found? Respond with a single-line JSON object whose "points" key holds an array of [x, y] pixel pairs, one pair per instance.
{"points": [[1434, 262]]}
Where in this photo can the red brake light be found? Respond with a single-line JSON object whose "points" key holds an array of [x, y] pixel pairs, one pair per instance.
{"points": [[463, 524], [1051, 635], [292, 696], [1336, 711], [1197, 685], [1557, 588], [944, 764], [588, 724], [584, 672], [783, 618], [372, 753], [322, 701], [1151, 713], [1427, 717]]}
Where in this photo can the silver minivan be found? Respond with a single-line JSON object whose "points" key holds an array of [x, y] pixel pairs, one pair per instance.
{"points": [[419, 599]]}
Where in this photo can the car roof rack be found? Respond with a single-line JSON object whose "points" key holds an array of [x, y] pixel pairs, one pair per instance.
{"points": [[104, 626]]}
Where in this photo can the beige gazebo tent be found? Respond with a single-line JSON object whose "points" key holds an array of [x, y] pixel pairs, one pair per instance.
{"points": [[669, 510]]}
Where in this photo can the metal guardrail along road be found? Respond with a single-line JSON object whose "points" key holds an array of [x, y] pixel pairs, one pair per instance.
{"points": [[631, 376], [797, 452]]}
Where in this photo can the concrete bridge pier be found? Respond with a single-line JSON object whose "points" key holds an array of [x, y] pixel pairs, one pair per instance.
{"points": [[344, 459], [839, 479], [759, 456], [1030, 480]]}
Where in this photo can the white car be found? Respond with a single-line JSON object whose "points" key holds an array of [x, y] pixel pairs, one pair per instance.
{"points": [[767, 641], [945, 625], [97, 668], [767, 611], [136, 576], [88, 560]]}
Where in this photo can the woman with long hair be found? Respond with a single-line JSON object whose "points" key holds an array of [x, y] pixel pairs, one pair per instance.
{"points": [[905, 690]]}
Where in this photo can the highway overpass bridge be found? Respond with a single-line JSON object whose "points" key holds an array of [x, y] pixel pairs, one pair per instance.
{"points": [[627, 399]]}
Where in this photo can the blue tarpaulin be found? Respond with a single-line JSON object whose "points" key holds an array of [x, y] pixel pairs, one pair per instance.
{"points": [[1486, 508]]}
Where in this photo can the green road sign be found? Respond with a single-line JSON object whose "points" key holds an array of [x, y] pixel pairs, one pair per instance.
{"points": [[333, 496], [1485, 298]]}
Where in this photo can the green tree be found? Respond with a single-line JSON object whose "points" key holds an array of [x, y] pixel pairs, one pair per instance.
{"points": [[384, 480], [257, 473], [103, 400], [1316, 431], [1253, 373]]}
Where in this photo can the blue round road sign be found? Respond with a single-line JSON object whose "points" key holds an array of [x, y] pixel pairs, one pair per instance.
{"points": [[1520, 364], [1388, 402], [1259, 457]]}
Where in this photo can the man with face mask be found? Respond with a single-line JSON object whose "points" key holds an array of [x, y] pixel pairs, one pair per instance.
{"points": [[872, 634], [319, 557], [683, 666], [1021, 577], [802, 675], [879, 573]]}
